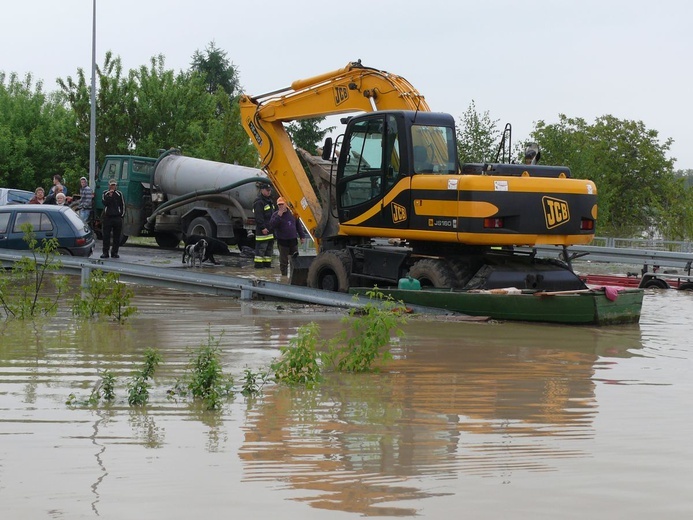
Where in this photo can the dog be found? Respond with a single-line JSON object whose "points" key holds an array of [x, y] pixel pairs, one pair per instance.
{"points": [[195, 253], [214, 247]]}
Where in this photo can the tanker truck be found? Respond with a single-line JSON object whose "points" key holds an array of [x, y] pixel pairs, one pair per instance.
{"points": [[173, 196]]}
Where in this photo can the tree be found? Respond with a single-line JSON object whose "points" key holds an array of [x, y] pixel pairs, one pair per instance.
{"points": [[627, 162], [477, 136], [216, 70], [36, 134], [306, 133]]}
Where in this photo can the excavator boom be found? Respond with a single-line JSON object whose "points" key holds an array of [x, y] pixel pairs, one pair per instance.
{"points": [[353, 88]]}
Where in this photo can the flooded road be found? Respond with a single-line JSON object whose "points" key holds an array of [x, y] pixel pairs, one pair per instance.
{"points": [[480, 420]]}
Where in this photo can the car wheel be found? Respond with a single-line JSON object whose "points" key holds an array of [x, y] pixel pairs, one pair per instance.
{"points": [[63, 251]]}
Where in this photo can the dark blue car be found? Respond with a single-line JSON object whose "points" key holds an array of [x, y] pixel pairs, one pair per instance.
{"points": [[74, 236]]}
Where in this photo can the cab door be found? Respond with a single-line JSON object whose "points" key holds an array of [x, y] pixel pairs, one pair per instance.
{"points": [[370, 176]]}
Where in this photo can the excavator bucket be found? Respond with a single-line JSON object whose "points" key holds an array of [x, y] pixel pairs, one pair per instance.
{"points": [[299, 266]]}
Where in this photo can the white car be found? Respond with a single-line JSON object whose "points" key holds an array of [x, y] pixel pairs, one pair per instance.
{"points": [[12, 196]]}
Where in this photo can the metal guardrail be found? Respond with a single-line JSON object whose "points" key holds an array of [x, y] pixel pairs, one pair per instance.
{"points": [[633, 256], [193, 281]]}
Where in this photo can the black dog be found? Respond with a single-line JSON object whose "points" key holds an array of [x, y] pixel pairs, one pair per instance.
{"points": [[195, 252], [214, 247]]}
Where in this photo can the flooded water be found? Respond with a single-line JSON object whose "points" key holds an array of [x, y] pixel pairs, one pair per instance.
{"points": [[475, 420]]}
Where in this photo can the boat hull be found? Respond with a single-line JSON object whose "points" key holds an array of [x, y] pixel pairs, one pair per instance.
{"points": [[590, 307]]}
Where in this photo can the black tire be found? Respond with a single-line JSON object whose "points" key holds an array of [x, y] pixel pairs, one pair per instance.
{"points": [[330, 271], [463, 270], [167, 240], [63, 252], [655, 283], [686, 286], [123, 239], [433, 273], [201, 226]]}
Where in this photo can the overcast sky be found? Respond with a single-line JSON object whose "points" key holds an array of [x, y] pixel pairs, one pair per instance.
{"points": [[520, 60]]}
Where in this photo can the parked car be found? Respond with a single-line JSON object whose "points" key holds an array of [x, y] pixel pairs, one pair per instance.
{"points": [[74, 236], [12, 196]]}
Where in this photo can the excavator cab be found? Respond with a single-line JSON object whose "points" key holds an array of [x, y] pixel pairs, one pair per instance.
{"points": [[381, 152]]}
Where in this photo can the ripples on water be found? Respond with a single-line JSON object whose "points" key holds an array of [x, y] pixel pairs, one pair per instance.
{"points": [[507, 420]]}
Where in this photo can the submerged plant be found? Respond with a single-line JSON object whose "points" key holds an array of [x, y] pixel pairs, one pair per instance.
{"points": [[22, 291], [206, 380], [367, 333], [138, 386], [104, 295], [299, 361]]}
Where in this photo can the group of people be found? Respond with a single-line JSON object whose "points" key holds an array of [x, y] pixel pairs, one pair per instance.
{"points": [[113, 203], [58, 195], [275, 221]]}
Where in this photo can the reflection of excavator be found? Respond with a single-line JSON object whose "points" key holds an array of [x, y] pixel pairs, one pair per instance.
{"points": [[398, 179]]}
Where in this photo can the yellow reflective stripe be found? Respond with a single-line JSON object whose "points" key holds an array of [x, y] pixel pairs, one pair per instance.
{"points": [[262, 238]]}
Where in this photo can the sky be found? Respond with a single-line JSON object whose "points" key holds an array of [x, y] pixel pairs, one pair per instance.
{"points": [[522, 61]]}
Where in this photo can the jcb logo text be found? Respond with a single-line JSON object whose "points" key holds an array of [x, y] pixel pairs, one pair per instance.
{"points": [[399, 213], [555, 211], [341, 94]]}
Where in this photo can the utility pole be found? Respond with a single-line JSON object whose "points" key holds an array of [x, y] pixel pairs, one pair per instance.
{"points": [[92, 125]]}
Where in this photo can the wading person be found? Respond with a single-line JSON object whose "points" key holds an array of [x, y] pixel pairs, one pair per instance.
{"points": [[113, 213], [263, 208], [287, 231]]}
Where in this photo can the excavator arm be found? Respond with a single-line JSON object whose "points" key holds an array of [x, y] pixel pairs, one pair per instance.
{"points": [[353, 88]]}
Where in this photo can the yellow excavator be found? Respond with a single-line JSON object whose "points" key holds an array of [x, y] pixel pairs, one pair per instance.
{"points": [[396, 202]]}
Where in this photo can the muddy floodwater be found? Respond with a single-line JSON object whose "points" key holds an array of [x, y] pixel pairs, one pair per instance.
{"points": [[469, 420]]}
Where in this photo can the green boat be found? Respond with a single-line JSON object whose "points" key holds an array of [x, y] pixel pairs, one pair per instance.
{"points": [[603, 306]]}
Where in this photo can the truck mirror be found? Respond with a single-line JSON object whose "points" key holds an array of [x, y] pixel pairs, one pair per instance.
{"points": [[327, 149]]}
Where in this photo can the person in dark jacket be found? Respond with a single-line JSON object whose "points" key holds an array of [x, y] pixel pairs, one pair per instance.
{"points": [[287, 231], [113, 213], [263, 208]]}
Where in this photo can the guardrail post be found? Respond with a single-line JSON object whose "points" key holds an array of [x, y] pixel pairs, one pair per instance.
{"points": [[85, 274]]}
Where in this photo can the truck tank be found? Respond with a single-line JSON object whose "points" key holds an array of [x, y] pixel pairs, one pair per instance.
{"points": [[176, 175]]}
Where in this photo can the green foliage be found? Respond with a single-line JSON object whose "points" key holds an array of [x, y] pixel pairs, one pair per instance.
{"points": [[477, 136], [105, 389], [206, 380], [306, 133], [299, 361], [139, 384], [37, 135], [216, 70], [108, 385], [357, 348], [104, 296], [367, 333], [253, 382], [22, 290]]}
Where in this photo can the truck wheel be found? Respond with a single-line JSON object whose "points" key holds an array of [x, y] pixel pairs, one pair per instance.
{"points": [[201, 226], [167, 240], [686, 286], [655, 283], [123, 239], [330, 271], [433, 273]]}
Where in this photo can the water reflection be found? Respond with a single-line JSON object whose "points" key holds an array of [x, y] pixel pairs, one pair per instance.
{"points": [[357, 438], [491, 400]]}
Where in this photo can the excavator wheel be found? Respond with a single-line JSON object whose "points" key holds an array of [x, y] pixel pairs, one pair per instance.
{"points": [[433, 273], [330, 271]]}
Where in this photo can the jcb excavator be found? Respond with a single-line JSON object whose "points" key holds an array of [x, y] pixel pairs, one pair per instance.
{"points": [[399, 202]]}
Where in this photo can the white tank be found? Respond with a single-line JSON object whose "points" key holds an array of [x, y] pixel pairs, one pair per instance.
{"points": [[176, 175]]}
